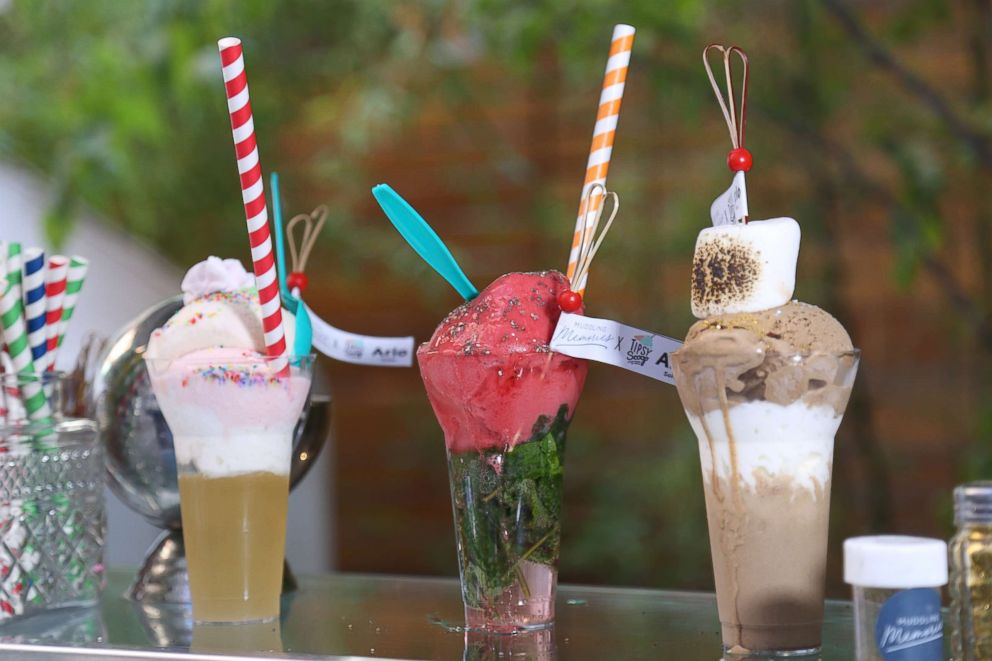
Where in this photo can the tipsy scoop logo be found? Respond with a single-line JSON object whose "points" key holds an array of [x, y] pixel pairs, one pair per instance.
{"points": [[640, 349], [910, 627]]}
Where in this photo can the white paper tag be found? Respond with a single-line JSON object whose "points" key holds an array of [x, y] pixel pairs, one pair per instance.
{"points": [[360, 349], [614, 343], [731, 206]]}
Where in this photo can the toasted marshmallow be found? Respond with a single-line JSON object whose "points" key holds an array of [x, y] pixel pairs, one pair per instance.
{"points": [[744, 268]]}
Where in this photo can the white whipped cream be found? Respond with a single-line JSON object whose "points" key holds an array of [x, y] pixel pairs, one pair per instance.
{"points": [[215, 275], [229, 454], [795, 440]]}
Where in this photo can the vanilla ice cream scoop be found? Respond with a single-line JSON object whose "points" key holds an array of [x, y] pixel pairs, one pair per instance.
{"points": [[744, 267], [221, 312]]}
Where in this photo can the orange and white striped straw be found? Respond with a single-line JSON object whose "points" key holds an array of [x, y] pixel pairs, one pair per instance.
{"points": [[602, 144]]}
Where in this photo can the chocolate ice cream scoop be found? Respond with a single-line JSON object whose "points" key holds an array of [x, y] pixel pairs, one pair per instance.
{"points": [[756, 355], [795, 327]]}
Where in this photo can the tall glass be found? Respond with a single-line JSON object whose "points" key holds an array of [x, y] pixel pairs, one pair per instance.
{"points": [[505, 419], [232, 422], [765, 423]]}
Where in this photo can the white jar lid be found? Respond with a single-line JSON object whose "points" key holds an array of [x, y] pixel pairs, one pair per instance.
{"points": [[895, 562]]}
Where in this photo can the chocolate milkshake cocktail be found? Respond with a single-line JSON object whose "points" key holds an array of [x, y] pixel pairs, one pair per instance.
{"points": [[764, 381], [504, 401], [232, 411]]}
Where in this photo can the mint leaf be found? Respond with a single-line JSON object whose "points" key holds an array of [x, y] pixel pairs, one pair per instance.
{"points": [[507, 507]]}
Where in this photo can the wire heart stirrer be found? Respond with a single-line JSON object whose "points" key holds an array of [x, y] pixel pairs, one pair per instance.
{"points": [[730, 109], [589, 242], [311, 223], [739, 159]]}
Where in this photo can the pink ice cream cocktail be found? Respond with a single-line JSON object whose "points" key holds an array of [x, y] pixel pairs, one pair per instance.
{"points": [[504, 401], [232, 411]]}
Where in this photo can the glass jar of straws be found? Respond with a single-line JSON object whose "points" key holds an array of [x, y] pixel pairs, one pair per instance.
{"points": [[52, 520]]}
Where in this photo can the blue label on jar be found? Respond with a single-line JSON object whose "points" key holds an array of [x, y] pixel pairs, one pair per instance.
{"points": [[910, 626]]}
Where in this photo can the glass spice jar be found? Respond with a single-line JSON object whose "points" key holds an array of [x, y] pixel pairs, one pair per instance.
{"points": [[896, 583], [970, 555]]}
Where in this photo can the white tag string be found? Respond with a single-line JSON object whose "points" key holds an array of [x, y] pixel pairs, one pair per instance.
{"points": [[731, 207], [613, 343], [360, 349]]}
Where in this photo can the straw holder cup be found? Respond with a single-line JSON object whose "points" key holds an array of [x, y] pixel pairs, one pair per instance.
{"points": [[141, 461]]}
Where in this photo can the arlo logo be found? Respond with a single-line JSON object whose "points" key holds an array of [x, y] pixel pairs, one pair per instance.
{"points": [[390, 355]]}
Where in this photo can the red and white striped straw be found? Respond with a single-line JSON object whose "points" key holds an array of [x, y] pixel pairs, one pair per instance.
{"points": [[253, 196], [55, 281], [602, 141]]}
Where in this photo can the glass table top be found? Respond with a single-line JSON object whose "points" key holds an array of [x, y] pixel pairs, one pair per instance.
{"points": [[375, 616]]}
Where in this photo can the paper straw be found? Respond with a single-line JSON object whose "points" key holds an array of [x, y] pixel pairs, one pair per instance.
{"points": [[602, 140], [4, 247], [253, 196], [16, 337], [13, 267], [33, 288], [74, 284], [55, 282]]}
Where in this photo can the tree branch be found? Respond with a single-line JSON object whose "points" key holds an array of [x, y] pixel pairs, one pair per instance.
{"points": [[975, 141]]}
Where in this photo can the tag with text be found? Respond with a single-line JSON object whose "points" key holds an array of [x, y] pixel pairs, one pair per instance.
{"points": [[360, 349], [614, 343], [731, 206]]}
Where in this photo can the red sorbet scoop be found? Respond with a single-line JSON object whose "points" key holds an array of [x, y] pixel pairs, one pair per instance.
{"points": [[489, 373]]}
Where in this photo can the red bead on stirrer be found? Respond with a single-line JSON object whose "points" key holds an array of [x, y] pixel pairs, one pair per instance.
{"points": [[570, 301], [739, 160]]}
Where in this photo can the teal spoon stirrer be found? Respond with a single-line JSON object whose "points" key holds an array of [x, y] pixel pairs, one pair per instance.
{"points": [[423, 239], [304, 331]]}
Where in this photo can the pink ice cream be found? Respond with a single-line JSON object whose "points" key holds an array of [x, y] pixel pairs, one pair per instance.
{"points": [[490, 376], [228, 407], [229, 410]]}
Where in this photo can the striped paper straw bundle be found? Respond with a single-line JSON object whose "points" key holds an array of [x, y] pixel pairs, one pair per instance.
{"points": [[36, 303], [16, 336], [33, 286], [253, 196], [55, 281], [601, 149], [26, 397]]}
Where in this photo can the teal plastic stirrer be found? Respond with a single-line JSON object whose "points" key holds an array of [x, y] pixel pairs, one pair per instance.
{"points": [[304, 331], [423, 239]]}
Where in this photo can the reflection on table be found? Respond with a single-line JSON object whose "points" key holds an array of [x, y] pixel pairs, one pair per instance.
{"points": [[407, 618]]}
